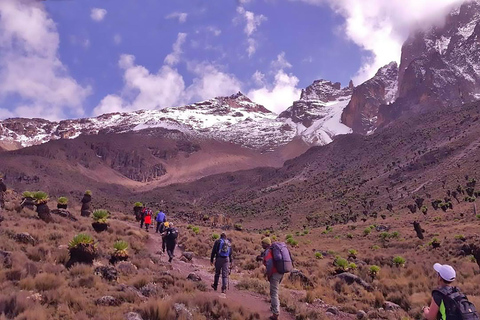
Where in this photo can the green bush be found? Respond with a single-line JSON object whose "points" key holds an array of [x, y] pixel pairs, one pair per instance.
{"points": [[80, 238], [138, 204], [62, 200], [399, 261], [473, 259], [384, 235], [292, 242], [274, 238], [288, 236], [374, 270], [375, 247], [434, 242], [120, 248], [27, 194], [189, 227], [40, 196], [352, 266], [395, 234], [478, 216], [460, 237], [367, 231], [88, 192], [349, 236], [306, 231], [215, 236], [196, 230], [318, 255], [352, 252], [100, 215], [238, 226], [424, 209], [341, 263]]}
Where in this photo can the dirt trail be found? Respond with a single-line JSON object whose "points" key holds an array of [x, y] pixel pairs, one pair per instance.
{"points": [[249, 300]]}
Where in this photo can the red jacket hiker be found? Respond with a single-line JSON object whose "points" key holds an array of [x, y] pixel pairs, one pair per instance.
{"points": [[268, 262], [148, 216]]}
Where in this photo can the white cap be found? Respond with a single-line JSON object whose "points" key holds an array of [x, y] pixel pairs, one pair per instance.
{"points": [[445, 271]]}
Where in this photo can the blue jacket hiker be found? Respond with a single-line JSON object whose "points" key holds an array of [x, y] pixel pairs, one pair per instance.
{"points": [[160, 219], [222, 254]]}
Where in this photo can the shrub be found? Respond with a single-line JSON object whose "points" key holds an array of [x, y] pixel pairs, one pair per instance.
{"points": [[384, 235], [352, 266], [138, 204], [375, 247], [288, 236], [349, 236], [88, 192], [374, 270], [306, 231], [196, 230], [318, 255], [215, 236], [352, 253], [292, 242], [40, 196], [394, 234], [478, 216], [120, 248], [399, 261], [238, 226], [434, 242], [473, 259], [341, 263], [80, 238], [62, 200], [367, 231], [100, 215], [189, 227], [424, 209], [27, 194], [274, 238], [460, 237]]}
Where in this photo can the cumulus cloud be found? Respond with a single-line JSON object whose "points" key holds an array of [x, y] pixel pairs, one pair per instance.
{"points": [[166, 88], [174, 57], [214, 30], [280, 94], [252, 22], [31, 72], [180, 16], [380, 27], [117, 39], [98, 14]]}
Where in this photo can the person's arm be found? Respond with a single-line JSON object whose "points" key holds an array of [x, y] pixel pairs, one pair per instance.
{"points": [[3, 187], [230, 256], [214, 251], [268, 261], [430, 313]]}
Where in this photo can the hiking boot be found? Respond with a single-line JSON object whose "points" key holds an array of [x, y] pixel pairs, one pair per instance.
{"points": [[170, 259], [223, 290], [274, 317], [214, 287]]}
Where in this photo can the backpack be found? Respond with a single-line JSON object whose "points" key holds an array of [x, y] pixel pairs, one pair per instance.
{"points": [[457, 305], [172, 233], [224, 248], [281, 257]]}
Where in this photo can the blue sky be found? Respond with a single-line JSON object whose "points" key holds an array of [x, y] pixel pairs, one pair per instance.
{"points": [[82, 58]]}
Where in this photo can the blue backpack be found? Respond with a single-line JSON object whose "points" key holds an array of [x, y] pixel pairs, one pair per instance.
{"points": [[224, 248]]}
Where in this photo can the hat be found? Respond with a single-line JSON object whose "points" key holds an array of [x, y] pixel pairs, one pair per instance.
{"points": [[266, 240], [166, 224], [445, 271]]}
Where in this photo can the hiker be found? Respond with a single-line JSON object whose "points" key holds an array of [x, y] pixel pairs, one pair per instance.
{"points": [[171, 235], [148, 219], [87, 198], [278, 261], [448, 302], [142, 216], [161, 218], [165, 226], [3, 189], [222, 254]]}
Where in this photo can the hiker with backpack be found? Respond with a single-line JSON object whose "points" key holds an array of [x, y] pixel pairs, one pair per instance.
{"points": [[278, 261], [170, 236], [148, 219], [142, 216], [161, 218], [448, 302], [222, 254]]}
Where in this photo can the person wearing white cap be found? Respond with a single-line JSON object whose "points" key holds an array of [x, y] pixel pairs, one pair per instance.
{"points": [[448, 303]]}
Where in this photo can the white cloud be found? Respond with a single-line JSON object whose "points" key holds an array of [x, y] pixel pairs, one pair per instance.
{"points": [[30, 69], [98, 14], [174, 57], [117, 39], [180, 16], [279, 95], [210, 82], [381, 26], [143, 90], [216, 31], [252, 22]]}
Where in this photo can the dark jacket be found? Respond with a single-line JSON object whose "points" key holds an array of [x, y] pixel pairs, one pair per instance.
{"points": [[216, 248], [171, 235]]}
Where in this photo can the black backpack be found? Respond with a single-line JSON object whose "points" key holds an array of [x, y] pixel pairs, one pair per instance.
{"points": [[457, 305], [172, 234]]}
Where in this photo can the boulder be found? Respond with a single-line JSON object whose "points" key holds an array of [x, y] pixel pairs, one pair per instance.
{"points": [[188, 255], [133, 290], [194, 277], [64, 213], [182, 311], [107, 301], [149, 290], [350, 278], [6, 258], [382, 228], [25, 238], [361, 315], [332, 310], [133, 316], [126, 268], [390, 306], [297, 275], [107, 273]]}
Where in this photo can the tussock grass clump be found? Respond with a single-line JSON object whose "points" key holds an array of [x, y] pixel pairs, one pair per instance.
{"points": [[100, 215], [62, 200], [254, 284]]}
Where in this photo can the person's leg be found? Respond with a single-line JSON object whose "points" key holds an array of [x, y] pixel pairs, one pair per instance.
{"points": [[274, 288], [158, 227], [147, 226], [218, 268], [163, 244], [224, 274], [141, 223]]}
